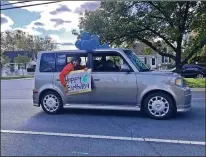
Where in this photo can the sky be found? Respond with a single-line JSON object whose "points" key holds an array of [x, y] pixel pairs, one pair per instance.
{"points": [[55, 20]]}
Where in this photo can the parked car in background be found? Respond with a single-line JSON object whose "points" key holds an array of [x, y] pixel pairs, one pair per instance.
{"points": [[192, 71]]}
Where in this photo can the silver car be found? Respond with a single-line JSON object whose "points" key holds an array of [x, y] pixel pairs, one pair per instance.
{"points": [[120, 81]]}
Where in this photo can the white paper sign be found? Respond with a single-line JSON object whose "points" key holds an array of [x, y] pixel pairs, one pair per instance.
{"points": [[79, 81]]}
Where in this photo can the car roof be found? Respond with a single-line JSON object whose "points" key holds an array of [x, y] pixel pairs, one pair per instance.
{"points": [[83, 51]]}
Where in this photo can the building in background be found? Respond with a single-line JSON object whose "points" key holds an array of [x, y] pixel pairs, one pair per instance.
{"points": [[153, 60]]}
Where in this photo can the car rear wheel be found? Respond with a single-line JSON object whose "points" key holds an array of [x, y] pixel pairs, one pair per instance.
{"points": [[159, 105], [200, 76], [51, 102]]}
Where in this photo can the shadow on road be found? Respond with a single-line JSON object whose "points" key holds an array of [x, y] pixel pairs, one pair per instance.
{"points": [[112, 114]]}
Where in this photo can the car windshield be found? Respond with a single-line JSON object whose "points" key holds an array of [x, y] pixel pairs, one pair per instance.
{"points": [[136, 61]]}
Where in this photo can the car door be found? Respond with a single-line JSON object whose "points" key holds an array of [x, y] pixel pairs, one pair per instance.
{"points": [[110, 86], [61, 60], [189, 71]]}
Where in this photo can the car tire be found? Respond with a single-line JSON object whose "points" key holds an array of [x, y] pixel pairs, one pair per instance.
{"points": [[159, 105], [51, 102]]}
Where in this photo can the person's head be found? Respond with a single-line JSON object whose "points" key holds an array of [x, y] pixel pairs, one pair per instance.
{"points": [[76, 60]]}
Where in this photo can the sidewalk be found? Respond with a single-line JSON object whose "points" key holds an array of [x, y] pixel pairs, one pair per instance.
{"points": [[17, 78]]}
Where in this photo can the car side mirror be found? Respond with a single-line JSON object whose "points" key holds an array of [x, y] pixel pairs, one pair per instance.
{"points": [[125, 68]]}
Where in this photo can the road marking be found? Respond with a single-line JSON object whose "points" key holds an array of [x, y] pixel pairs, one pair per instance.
{"points": [[82, 153], [105, 137]]}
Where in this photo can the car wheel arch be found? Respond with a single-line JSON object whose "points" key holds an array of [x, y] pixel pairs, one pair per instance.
{"points": [[47, 90], [154, 91]]}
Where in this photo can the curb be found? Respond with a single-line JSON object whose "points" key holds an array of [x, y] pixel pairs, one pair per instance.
{"points": [[28, 78], [198, 89]]}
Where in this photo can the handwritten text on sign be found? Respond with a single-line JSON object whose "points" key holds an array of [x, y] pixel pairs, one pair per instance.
{"points": [[79, 81]]}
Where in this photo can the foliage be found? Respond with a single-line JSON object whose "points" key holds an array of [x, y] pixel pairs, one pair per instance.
{"points": [[20, 59], [195, 83], [18, 40], [171, 22], [147, 51], [115, 59], [5, 60]]}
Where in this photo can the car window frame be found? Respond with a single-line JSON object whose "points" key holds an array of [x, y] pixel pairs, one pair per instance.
{"points": [[113, 52], [69, 54]]}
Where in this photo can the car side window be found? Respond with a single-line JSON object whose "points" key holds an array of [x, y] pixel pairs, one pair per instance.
{"points": [[83, 57], [63, 59], [108, 62], [47, 63], [60, 62]]}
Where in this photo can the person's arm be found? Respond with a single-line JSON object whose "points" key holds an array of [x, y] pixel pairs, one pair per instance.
{"points": [[68, 68]]}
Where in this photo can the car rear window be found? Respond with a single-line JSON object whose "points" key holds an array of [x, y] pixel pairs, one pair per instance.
{"points": [[47, 63]]}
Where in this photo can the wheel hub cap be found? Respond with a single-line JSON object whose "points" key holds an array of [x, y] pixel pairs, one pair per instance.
{"points": [[158, 106], [51, 102]]}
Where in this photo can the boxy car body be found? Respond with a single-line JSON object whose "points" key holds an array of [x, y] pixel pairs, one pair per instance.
{"points": [[125, 85]]}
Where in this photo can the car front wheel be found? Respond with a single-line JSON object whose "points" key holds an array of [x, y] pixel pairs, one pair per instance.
{"points": [[51, 102], [159, 105]]}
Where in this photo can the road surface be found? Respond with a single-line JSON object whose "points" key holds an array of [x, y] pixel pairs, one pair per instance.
{"points": [[27, 130]]}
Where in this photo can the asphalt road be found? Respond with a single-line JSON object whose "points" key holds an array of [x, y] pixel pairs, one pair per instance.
{"points": [[27, 130]]}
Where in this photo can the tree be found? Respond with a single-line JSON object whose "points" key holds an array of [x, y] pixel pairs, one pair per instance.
{"points": [[4, 60], [198, 33], [35, 44], [146, 21], [147, 51], [18, 40], [8, 41], [21, 61]]}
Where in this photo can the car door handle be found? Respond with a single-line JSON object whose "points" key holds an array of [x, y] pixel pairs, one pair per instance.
{"points": [[96, 79]]}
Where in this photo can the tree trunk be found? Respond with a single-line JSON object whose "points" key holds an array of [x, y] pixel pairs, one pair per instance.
{"points": [[179, 54], [178, 60]]}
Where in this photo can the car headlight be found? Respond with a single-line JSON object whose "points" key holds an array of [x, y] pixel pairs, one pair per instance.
{"points": [[179, 82]]}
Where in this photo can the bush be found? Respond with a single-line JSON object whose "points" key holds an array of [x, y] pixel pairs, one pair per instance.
{"points": [[195, 82]]}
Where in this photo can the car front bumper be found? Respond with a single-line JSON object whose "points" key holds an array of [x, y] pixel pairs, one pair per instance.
{"points": [[186, 99]]}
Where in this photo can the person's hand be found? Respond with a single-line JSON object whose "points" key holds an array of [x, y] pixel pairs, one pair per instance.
{"points": [[86, 69]]}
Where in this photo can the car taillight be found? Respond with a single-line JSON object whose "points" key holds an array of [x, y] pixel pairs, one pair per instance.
{"points": [[35, 91]]}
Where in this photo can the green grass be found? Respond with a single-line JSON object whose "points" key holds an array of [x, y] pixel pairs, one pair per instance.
{"points": [[16, 77], [195, 82]]}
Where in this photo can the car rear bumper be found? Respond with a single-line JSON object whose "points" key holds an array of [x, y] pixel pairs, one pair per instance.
{"points": [[36, 104], [35, 98]]}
